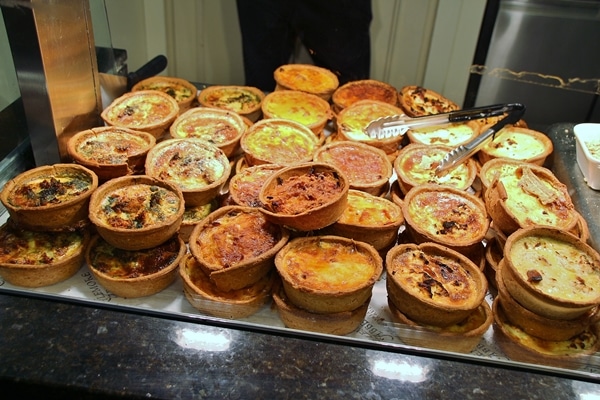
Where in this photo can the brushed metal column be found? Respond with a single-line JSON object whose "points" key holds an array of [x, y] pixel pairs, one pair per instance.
{"points": [[52, 45]]}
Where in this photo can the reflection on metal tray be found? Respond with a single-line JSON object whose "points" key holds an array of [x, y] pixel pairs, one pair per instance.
{"points": [[377, 330]]}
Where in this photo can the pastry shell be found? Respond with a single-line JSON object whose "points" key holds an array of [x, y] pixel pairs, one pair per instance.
{"points": [[307, 109], [307, 78], [57, 214]]}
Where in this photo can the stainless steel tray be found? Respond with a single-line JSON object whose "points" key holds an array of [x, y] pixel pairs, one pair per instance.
{"points": [[377, 330]]}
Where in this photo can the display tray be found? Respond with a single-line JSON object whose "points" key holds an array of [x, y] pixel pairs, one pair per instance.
{"points": [[378, 329]]}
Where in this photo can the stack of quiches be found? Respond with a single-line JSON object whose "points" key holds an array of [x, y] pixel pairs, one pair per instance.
{"points": [[282, 197]]}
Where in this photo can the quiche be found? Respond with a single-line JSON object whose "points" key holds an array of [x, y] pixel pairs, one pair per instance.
{"points": [[308, 109], [517, 143], [199, 169], [135, 273], [307, 78], [366, 167], [183, 91], [432, 284], [215, 126], [363, 89], [235, 246], [417, 101], [50, 197], [278, 141], [245, 185], [150, 111], [451, 135], [111, 151], [136, 212], [305, 197], [328, 274], [35, 259], [243, 100]]}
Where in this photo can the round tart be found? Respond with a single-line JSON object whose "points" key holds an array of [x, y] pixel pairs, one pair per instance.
{"points": [[245, 185], [199, 169], [235, 246], [551, 272], [150, 111], [136, 212], [416, 165], [371, 219], [183, 91], [446, 215], [432, 284], [363, 89], [366, 167], [204, 295], [307, 78], [220, 128], [517, 143], [417, 101], [328, 274], [305, 197], [352, 123], [461, 337], [308, 109], [520, 346], [528, 196], [338, 323], [111, 151], [278, 141], [50, 197], [243, 100], [135, 273], [538, 325], [451, 135], [496, 168], [36, 259]]}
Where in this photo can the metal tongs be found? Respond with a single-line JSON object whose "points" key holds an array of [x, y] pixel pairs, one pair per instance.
{"points": [[398, 125]]}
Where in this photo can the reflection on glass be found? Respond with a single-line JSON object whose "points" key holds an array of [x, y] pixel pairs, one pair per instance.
{"points": [[204, 338], [407, 370]]}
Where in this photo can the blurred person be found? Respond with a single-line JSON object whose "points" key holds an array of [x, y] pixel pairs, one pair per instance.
{"points": [[336, 34]]}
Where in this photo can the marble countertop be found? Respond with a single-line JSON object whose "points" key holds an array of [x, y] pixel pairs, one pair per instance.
{"points": [[57, 350]]}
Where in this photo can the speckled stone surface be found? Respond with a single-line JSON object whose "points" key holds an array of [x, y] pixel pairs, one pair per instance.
{"points": [[56, 350]]}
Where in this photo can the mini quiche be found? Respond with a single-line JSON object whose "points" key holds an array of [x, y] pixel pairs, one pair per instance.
{"points": [[36, 259], [150, 111], [221, 128], [202, 293], [451, 135], [183, 91], [328, 274], [517, 143], [551, 272], [305, 197], [111, 151], [245, 185], [363, 89], [308, 109], [199, 169], [307, 78], [135, 273], [51, 197], [432, 284], [278, 141], [447, 216], [371, 219], [352, 123], [417, 101], [366, 167], [243, 100], [235, 246], [192, 216], [416, 165], [136, 212]]}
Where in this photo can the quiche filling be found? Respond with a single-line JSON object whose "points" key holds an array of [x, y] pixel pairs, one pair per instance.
{"points": [[54, 189], [299, 193], [280, 143], [447, 135], [358, 165], [212, 130], [111, 148], [297, 106], [138, 206], [178, 92], [234, 99], [369, 211], [120, 263], [419, 167], [515, 145], [34, 248], [355, 119], [139, 111]]}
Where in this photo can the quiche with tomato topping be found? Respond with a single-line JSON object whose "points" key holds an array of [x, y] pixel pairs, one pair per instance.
{"points": [[35, 259]]}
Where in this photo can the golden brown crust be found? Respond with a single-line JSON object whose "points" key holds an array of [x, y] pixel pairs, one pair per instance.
{"points": [[307, 78]]}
